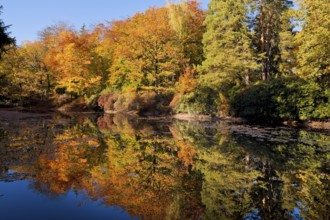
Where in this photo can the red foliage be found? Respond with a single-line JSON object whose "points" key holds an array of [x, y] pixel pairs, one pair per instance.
{"points": [[106, 101]]}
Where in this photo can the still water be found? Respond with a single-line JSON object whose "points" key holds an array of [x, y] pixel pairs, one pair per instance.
{"points": [[117, 167]]}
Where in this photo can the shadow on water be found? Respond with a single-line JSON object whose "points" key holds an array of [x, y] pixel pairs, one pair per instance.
{"points": [[170, 169]]}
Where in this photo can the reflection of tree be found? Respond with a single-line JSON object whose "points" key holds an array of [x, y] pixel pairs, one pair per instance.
{"points": [[227, 170], [269, 172], [228, 178], [21, 141], [140, 170], [295, 174], [173, 170], [267, 193], [67, 166], [125, 125], [143, 172]]}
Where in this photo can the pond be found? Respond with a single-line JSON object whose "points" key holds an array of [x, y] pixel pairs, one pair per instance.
{"points": [[86, 166]]}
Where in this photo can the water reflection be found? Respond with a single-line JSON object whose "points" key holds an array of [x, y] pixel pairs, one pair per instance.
{"points": [[172, 170]]}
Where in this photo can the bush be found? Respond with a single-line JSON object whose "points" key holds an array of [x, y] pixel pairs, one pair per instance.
{"points": [[201, 100], [146, 102], [107, 101], [92, 101], [283, 99]]}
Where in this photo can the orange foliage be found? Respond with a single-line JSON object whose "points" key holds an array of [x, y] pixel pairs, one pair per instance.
{"points": [[187, 82], [71, 56], [145, 54], [186, 153], [69, 166]]}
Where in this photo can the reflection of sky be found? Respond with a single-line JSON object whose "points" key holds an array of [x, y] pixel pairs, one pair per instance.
{"points": [[17, 201], [36, 201], [29, 17], [253, 215], [296, 214]]}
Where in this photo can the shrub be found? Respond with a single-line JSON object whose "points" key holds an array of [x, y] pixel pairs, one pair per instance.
{"points": [[92, 101], [283, 99], [106, 101], [202, 100], [147, 101]]}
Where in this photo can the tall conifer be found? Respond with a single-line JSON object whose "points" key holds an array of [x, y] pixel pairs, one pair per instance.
{"points": [[5, 39], [271, 25], [227, 43], [314, 40]]}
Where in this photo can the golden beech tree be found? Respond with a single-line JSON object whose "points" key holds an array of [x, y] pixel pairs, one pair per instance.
{"points": [[25, 69], [145, 54], [35, 53], [75, 60], [186, 19]]}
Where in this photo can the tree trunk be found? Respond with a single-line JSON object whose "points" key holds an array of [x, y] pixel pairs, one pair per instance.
{"points": [[268, 43], [262, 41], [48, 84], [247, 79]]}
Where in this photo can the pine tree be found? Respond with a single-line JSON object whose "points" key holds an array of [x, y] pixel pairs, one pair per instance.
{"points": [[314, 41], [5, 39], [287, 47], [271, 24], [227, 43]]}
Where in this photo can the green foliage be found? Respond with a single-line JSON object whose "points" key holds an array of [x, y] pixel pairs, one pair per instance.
{"points": [[314, 40], [91, 101], [272, 35], [183, 58], [186, 19], [283, 99], [24, 76], [227, 44], [199, 101], [286, 45]]}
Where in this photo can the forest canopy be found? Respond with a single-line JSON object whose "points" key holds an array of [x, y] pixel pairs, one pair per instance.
{"points": [[257, 59]]}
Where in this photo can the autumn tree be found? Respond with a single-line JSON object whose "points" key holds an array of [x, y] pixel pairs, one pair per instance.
{"points": [[186, 19], [145, 56], [74, 59], [27, 74], [35, 53]]}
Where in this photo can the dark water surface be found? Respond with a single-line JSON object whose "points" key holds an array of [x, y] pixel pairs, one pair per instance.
{"points": [[117, 167]]}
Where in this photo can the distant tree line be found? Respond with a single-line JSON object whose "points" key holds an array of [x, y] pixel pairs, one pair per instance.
{"points": [[258, 59]]}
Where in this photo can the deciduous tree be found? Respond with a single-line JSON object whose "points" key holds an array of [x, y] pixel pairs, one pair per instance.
{"points": [[145, 56]]}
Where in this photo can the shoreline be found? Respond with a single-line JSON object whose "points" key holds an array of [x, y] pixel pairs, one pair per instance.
{"points": [[21, 113]]}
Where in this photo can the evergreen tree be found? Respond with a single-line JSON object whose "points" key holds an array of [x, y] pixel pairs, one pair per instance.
{"points": [[314, 41], [227, 44], [5, 39], [287, 48], [271, 24]]}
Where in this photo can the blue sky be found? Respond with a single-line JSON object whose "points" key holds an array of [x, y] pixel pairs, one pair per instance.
{"points": [[28, 17]]}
